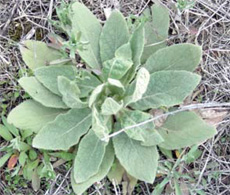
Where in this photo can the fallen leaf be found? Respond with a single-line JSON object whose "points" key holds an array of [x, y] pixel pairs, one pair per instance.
{"points": [[159, 175], [159, 122], [212, 116], [177, 153], [12, 161]]}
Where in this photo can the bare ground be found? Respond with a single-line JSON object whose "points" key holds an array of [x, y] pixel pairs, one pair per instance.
{"points": [[207, 23]]}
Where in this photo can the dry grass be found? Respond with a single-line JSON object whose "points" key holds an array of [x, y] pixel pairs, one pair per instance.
{"points": [[207, 23]]}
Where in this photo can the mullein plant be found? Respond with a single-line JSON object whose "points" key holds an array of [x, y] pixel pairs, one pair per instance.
{"points": [[127, 72]]}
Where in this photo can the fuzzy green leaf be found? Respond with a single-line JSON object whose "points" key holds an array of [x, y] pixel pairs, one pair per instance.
{"points": [[48, 76], [87, 83], [139, 86], [110, 107], [124, 52], [144, 133], [156, 30], [139, 161], [99, 124], [41, 94], [152, 138], [70, 93], [137, 46], [37, 54], [117, 67], [85, 165], [88, 25], [114, 34], [32, 115], [167, 88], [116, 86], [130, 118], [177, 57], [183, 130], [65, 131], [107, 162], [96, 94]]}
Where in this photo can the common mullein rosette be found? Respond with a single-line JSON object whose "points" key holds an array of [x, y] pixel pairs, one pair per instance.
{"points": [[129, 71]]}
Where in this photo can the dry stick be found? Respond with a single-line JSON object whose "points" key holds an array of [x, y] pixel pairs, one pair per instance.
{"points": [[10, 17], [60, 186], [184, 108]]}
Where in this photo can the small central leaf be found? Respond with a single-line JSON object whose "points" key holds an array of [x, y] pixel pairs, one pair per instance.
{"points": [[117, 67], [137, 89], [110, 107]]}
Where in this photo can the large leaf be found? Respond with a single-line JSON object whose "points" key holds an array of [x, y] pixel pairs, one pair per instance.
{"points": [[144, 133], [139, 161], [117, 67], [87, 82], [41, 94], [167, 88], [184, 129], [32, 115], [86, 23], [107, 162], [48, 76], [114, 34], [89, 157], [70, 93], [65, 131], [37, 54], [138, 87], [110, 107], [177, 57], [156, 30]]}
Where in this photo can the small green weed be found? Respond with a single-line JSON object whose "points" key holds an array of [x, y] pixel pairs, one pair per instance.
{"points": [[183, 5]]}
